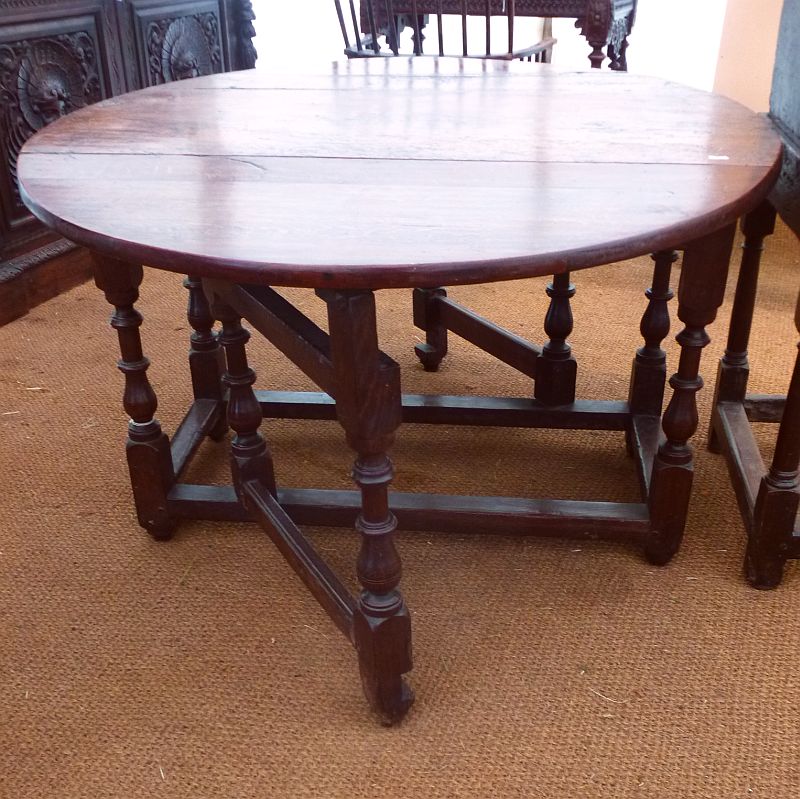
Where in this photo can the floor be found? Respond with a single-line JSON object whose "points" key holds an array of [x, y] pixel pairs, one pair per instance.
{"points": [[201, 668]]}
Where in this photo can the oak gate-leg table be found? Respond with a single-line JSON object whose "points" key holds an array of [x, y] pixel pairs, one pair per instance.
{"points": [[412, 174]]}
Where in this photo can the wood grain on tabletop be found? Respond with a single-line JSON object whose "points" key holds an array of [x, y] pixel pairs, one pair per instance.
{"points": [[399, 172]]}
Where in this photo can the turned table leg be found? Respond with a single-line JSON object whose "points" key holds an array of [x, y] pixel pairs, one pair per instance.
{"points": [[556, 369], [250, 456], [147, 448], [734, 368], [368, 406], [206, 359], [778, 495], [700, 293], [649, 373]]}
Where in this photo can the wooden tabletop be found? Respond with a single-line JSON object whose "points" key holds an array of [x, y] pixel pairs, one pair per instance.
{"points": [[398, 172]]}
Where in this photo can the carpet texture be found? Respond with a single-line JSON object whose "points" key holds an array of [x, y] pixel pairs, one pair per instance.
{"points": [[544, 668]]}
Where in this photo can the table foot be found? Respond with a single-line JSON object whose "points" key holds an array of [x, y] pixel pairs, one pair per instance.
{"points": [[163, 533], [384, 655], [712, 442], [428, 318], [670, 489], [763, 570]]}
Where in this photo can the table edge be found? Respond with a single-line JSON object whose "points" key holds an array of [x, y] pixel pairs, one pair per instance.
{"points": [[423, 275]]}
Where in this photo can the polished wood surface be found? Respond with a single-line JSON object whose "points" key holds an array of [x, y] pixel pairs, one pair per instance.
{"points": [[768, 497], [463, 171], [398, 173]]}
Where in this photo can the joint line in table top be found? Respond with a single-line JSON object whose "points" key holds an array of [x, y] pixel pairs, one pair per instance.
{"points": [[245, 158]]}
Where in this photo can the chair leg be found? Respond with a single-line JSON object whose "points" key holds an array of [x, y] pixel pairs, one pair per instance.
{"points": [[369, 408], [778, 495], [700, 293], [597, 56]]}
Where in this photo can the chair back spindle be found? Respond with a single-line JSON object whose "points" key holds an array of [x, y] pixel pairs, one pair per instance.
{"points": [[417, 28], [374, 21], [354, 17], [464, 27], [512, 11], [342, 25], [393, 33], [439, 26], [488, 14]]}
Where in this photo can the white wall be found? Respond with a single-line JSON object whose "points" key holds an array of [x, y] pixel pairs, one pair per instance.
{"points": [[675, 39]]}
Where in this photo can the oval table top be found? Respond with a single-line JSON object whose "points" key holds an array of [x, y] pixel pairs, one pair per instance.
{"points": [[398, 172]]}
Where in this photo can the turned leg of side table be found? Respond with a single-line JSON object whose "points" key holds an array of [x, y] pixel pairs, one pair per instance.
{"points": [[368, 406], [206, 359], [649, 371], [556, 369], [148, 448], [734, 368], [427, 317], [700, 293], [250, 456], [777, 501]]}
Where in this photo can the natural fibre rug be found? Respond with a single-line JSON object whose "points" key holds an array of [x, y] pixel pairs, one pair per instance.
{"points": [[544, 668]]}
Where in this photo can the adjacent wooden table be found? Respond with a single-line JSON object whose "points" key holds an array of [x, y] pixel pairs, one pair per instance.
{"points": [[388, 174], [768, 496]]}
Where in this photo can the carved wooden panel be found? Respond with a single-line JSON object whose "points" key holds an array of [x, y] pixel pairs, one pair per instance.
{"points": [[178, 40], [59, 55], [49, 65]]}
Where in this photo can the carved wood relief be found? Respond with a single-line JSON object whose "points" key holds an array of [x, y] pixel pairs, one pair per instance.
{"points": [[180, 39], [245, 33], [184, 47], [42, 79], [59, 55]]}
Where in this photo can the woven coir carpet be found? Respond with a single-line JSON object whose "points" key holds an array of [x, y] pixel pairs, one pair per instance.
{"points": [[544, 668]]}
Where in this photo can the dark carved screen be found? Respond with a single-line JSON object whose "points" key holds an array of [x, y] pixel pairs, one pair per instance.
{"points": [[178, 40], [43, 77], [59, 55]]}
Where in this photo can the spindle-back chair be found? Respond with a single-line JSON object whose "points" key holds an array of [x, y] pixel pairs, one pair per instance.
{"points": [[362, 31]]}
